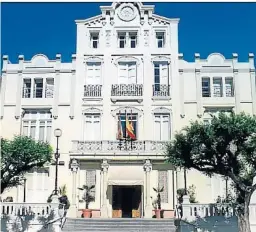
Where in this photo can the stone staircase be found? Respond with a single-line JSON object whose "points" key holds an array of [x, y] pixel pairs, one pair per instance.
{"points": [[120, 224]]}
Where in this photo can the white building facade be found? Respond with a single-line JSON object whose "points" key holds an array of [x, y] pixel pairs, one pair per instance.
{"points": [[126, 64]]}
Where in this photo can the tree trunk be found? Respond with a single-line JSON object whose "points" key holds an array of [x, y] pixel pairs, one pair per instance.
{"points": [[243, 217]]}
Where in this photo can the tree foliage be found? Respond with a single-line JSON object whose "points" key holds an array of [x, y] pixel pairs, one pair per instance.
{"points": [[19, 156], [227, 146]]}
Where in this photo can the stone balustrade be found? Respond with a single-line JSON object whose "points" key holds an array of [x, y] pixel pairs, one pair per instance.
{"points": [[118, 147]]}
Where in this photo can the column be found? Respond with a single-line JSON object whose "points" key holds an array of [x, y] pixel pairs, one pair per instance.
{"points": [[104, 207], [74, 166], [148, 206]]}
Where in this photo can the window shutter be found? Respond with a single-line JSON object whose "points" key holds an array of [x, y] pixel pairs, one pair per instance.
{"points": [[132, 74], [96, 128], [122, 74], [157, 130], [165, 128], [164, 74]]}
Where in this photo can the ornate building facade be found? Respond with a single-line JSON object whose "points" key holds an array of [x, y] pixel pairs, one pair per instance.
{"points": [[123, 96]]}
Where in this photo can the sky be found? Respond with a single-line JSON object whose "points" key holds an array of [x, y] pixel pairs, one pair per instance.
{"points": [[49, 28]]}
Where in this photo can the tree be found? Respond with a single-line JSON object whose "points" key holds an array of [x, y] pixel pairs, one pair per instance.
{"points": [[226, 147], [19, 156]]}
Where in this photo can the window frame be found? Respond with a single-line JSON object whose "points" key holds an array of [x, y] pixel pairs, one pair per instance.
{"points": [[92, 35], [135, 118], [93, 120], [163, 39], [203, 87], [161, 120]]}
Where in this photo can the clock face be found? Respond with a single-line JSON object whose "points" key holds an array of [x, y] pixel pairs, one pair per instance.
{"points": [[127, 13]]}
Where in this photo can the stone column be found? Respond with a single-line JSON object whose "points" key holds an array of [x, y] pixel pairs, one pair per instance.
{"points": [[104, 207], [148, 206], [74, 166]]}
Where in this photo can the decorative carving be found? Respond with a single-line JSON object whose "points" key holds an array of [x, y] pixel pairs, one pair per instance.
{"points": [[146, 37], [161, 110], [147, 166], [104, 165], [92, 110], [74, 165], [108, 34], [127, 109], [127, 12], [112, 22], [126, 59]]}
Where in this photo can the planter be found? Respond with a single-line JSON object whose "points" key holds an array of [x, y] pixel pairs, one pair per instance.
{"points": [[87, 213], [158, 213]]}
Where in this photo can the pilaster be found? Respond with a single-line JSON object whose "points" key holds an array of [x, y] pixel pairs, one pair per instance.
{"points": [[252, 76], [19, 88], [237, 84], [3, 86], [148, 206], [198, 85], [73, 88], [56, 86], [74, 166], [181, 77], [104, 208]]}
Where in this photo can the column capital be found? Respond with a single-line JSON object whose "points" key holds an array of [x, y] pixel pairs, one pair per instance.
{"points": [[74, 165], [104, 165], [147, 166]]}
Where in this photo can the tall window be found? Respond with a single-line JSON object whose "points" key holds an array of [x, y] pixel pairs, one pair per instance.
{"points": [[122, 40], [38, 125], [94, 40], [133, 40], [41, 88], [127, 73], [93, 73], [160, 39], [229, 87], [161, 79], [206, 87], [163, 182], [92, 127], [217, 87], [162, 127], [122, 124]]}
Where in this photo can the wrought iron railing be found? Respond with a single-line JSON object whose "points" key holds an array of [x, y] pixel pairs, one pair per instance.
{"points": [[92, 90], [160, 90], [127, 90], [111, 146]]}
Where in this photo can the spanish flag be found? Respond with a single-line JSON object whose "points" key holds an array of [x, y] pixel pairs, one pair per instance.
{"points": [[130, 129], [119, 129]]}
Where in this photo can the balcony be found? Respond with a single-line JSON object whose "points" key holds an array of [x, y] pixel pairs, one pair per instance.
{"points": [[127, 92], [161, 91], [92, 92], [116, 147]]}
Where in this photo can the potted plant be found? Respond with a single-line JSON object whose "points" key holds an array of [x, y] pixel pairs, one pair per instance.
{"points": [[158, 201], [87, 197]]}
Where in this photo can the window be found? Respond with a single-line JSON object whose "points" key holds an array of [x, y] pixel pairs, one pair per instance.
{"points": [[26, 88], [162, 127], [127, 73], [94, 40], [41, 88], [124, 121], [38, 88], [133, 40], [163, 182], [206, 87], [229, 87], [91, 179], [92, 127], [93, 73], [122, 40], [160, 38], [161, 79], [217, 87], [38, 125]]}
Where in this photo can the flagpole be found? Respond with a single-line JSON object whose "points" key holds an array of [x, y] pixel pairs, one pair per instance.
{"points": [[120, 128], [131, 122]]}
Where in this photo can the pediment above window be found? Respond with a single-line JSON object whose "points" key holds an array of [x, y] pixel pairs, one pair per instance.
{"points": [[161, 110], [93, 59], [92, 110], [127, 59], [161, 59], [128, 110]]}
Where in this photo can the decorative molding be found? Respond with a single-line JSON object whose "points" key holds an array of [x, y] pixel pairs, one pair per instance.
{"points": [[127, 12], [126, 58], [161, 110], [93, 59], [108, 38], [104, 165], [128, 109], [146, 38], [161, 59], [92, 110], [74, 165], [147, 166]]}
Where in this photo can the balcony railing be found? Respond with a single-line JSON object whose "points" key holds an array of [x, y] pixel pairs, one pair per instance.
{"points": [[92, 90], [127, 90], [160, 90], [116, 146]]}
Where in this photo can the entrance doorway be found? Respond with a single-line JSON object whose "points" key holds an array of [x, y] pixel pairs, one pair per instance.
{"points": [[126, 201]]}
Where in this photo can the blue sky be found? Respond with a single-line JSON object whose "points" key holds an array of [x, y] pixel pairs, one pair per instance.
{"points": [[49, 28]]}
